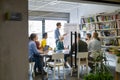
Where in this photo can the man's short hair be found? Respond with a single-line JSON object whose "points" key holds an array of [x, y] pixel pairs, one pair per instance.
{"points": [[44, 35], [79, 35], [58, 24], [89, 35]]}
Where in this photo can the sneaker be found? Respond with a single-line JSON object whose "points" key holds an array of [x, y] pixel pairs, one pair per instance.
{"points": [[37, 73], [66, 66]]}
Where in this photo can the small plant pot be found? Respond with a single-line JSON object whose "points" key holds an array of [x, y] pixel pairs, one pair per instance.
{"points": [[118, 64]]}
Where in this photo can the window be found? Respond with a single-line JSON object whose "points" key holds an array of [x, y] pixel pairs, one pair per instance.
{"points": [[35, 27]]}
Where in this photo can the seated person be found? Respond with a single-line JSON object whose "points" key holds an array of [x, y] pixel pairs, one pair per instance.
{"points": [[94, 45], [60, 47], [44, 45], [88, 38], [81, 46], [34, 54]]}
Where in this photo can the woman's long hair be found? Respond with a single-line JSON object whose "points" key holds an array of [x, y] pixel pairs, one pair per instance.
{"points": [[32, 36]]}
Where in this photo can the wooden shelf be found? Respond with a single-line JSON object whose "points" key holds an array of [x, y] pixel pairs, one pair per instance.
{"points": [[117, 36], [100, 22], [106, 29], [103, 46], [87, 30], [117, 19], [106, 21], [111, 37]]}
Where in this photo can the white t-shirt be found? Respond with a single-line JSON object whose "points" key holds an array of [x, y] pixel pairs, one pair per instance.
{"points": [[88, 41], [94, 45]]}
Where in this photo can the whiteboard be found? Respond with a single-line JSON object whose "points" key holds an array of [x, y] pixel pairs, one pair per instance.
{"points": [[68, 28]]}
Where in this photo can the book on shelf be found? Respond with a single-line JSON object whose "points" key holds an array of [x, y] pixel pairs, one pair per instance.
{"points": [[113, 25], [110, 42], [87, 20], [83, 27], [108, 33], [82, 20], [119, 42], [117, 16], [118, 24], [101, 18], [110, 25]]}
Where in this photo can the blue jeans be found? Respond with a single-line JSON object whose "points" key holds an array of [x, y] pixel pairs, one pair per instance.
{"points": [[56, 41], [38, 63]]}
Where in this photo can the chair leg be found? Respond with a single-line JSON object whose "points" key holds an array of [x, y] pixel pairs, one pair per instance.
{"points": [[47, 71], [31, 66], [71, 70], [87, 68], [33, 74], [78, 70], [58, 70], [95, 67], [64, 72], [54, 72]]}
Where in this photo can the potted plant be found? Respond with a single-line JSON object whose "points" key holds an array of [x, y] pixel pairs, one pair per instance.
{"points": [[101, 71], [117, 52]]}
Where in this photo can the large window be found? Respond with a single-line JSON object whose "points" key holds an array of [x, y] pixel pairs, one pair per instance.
{"points": [[50, 26], [35, 27]]}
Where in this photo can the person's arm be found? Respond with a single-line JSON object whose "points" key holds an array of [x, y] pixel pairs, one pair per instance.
{"points": [[89, 46], [35, 50], [65, 34]]}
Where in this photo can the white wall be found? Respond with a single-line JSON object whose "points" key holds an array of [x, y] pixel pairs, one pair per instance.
{"points": [[13, 41], [85, 10]]}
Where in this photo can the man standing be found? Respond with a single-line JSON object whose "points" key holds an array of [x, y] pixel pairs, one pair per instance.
{"points": [[57, 32]]}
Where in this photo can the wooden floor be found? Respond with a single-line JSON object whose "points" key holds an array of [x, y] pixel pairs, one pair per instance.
{"points": [[111, 60], [111, 65], [68, 77], [60, 77]]}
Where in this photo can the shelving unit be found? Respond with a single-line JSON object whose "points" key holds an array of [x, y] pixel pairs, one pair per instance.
{"points": [[107, 25]]}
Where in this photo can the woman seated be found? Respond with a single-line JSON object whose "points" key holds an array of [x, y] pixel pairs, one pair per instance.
{"points": [[60, 47], [88, 38], [34, 55]]}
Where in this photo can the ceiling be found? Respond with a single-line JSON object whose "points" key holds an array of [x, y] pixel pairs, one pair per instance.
{"points": [[59, 5], [54, 8], [52, 5]]}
